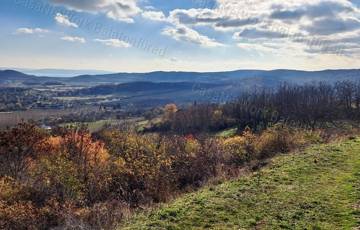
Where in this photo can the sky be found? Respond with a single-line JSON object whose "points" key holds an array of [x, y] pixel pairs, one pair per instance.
{"points": [[180, 35]]}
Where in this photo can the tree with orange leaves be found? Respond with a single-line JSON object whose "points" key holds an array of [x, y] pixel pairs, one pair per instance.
{"points": [[18, 148], [170, 110]]}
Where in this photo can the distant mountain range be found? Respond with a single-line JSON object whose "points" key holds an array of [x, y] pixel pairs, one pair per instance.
{"points": [[57, 72], [239, 77], [159, 88]]}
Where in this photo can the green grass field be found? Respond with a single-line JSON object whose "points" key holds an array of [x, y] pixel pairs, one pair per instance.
{"points": [[95, 126], [318, 188], [227, 133]]}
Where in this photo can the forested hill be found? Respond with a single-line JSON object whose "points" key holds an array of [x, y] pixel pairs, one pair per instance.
{"points": [[250, 77]]}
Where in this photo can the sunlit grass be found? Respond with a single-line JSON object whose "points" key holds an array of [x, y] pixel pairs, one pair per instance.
{"points": [[315, 189]]}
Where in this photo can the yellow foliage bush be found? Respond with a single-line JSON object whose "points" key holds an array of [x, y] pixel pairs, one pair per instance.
{"points": [[140, 163], [240, 149], [278, 139]]}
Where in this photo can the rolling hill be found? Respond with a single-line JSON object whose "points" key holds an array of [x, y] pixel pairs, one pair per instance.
{"points": [[268, 77], [176, 87], [315, 189], [139, 87], [250, 77], [12, 75]]}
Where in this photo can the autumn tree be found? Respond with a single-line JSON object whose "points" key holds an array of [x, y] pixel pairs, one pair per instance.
{"points": [[18, 148], [90, 158], [169, 111]]}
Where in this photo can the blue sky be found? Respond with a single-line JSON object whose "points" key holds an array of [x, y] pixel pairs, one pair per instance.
{"points": [[187, 35]]}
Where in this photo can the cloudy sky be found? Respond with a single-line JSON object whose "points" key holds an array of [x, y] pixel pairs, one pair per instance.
{"points": [[189, 35]]}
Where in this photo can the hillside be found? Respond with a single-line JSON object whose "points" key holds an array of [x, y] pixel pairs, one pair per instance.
{"points": [[12, 75], [252, 77], [239, 78], [138, 87], [314, 189]]}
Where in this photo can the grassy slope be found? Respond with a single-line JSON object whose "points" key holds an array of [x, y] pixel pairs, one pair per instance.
{"points": [[316, 189]]}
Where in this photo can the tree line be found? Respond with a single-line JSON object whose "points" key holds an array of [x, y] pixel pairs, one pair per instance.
{"points": [[309, 106]]}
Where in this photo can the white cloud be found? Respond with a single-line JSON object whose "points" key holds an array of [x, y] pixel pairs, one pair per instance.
{"points": [[114, 43], [291, 22], [219, 18], [299, 24], [122, 10], [154, 15], [31, 31], [183, 33], [64, 20], [234, 14], [253, 33], [279, 48], [74, 39], [328, 26]]}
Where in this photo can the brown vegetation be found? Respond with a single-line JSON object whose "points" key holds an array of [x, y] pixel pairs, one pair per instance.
{"points": [[71, 179], [308, 106]]}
